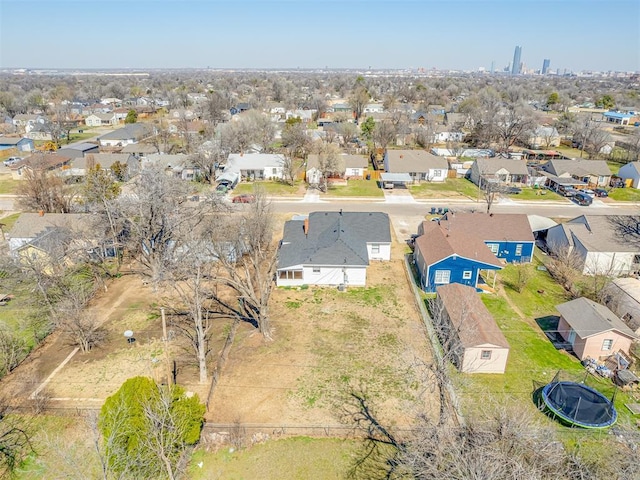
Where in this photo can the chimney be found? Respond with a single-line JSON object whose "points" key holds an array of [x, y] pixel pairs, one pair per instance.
{"points": [[41, 213], [306, 227]]}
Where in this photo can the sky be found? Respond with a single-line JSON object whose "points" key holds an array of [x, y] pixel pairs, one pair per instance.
{"points": [[576, 35]]}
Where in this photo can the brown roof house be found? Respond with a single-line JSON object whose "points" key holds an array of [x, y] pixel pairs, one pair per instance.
{"points": [[592, 329], [468, 331], [38, 162]]}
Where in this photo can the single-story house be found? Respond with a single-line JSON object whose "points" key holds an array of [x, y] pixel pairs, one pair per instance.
{"points": [[597, 245], [442, 257], [40, 131], [503, 170], [101, 119], [347, 166], [38, 161], [631, 171], [23, 119], [419, 164], [255, 166], [129, 134], [139, 149], [78, 150], [622, 296], [594, 173], [619, 118], [468, 331], [592, 329], [332, 248], [79, 166], [544, 137], [30, 226], [177, 165], [21, 144]]}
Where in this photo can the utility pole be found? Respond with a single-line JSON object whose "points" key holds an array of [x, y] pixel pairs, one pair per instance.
{"points": [[165, 340]]}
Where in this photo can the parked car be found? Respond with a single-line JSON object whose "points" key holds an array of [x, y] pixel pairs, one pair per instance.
{"points": [[514, 190], [566, 191], [589, 192], [11, 160], [601, 192], [244, 198], [583, 199]]}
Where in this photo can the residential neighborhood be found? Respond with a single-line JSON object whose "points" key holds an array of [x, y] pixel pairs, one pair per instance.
{"points": [[315, 271]]}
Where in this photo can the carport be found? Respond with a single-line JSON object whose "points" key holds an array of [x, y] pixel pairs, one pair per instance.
{"points": [[389, 180]]}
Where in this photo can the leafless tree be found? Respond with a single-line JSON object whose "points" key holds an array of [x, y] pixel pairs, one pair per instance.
{"points": [[80, 326], [13, 350], [523, 275], [384, 133], [16, 432], [515, 122], [490, 190], [44, 190], [359, 99], [327, 162], [154, 219], [246, 261]]}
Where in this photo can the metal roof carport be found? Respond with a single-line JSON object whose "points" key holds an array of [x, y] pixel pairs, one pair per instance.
{"points": [[396, 177]]}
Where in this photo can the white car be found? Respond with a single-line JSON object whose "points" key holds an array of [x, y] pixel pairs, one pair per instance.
{"points": [[11, 160]]}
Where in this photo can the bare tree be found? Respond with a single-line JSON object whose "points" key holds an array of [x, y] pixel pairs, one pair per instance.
{"points": [[43, 190], [514, 123], [13, 350], [327, 162], [490, 191], [384, 133], [246, 261], [359, 98], [80, 326], [16, 433]]}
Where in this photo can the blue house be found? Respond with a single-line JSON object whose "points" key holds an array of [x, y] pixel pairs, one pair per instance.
{"points": [[20, 144], [443, 257], [460, 245], [618, 118]]}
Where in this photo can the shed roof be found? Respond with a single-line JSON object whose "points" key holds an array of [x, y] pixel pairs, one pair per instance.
{"points": [[589, 318], [472, 321]]}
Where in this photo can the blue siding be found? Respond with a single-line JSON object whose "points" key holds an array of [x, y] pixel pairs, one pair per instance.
{"points": [[456, 266], [507, 250]]}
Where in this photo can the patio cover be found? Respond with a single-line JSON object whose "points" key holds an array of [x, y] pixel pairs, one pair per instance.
{"points": [[539, 223], [396, 177]]}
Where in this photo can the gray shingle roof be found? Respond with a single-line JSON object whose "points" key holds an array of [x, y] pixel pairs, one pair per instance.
{"points": [[333, 238], [489, 166], [406, 161], [577, 167], [589, 318]]}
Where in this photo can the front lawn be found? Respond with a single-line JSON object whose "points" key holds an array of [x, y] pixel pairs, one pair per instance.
{"points": [[535, 194], [356, 188], [451, 187], [8, 185], [625, 194], [271, 188]]}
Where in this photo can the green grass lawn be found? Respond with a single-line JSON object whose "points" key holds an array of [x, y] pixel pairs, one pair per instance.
{"points": [[535, 194], [357, 188], [450, 187], [292, 458], [9, 221], [625, 194], [270, 188], [533, 360], [8, 185], [78, 137], [570, 152]]}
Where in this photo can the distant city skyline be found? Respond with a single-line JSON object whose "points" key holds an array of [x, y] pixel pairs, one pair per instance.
{"points": [[264, 34], [516, 68]]}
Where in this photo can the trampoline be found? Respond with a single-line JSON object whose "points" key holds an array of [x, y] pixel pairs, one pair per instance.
{"points": [[578, 405]]}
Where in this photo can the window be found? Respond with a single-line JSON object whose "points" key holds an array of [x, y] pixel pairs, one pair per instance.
{"points": [[442, 276], [518, 250], [607, 344], [375, 248], [274, 171], [493, 247], [290, 275], [437, 173], [485, 354], [316, 269], [466, 275]]}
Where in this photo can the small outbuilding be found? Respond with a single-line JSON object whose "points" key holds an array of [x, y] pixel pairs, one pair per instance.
{"points": [[469, 331]]}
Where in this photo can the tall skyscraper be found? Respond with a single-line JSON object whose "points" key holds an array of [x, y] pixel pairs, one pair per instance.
{"points": [[515, 67], [545, 66]]}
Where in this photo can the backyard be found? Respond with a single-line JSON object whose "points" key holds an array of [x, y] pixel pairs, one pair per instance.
{"points": [[533, 359]]}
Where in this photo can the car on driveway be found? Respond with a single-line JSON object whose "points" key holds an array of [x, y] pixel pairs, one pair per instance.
{"points": [[514, 190], [601, 192], [582, 198], [244, 198], [11, 160]]}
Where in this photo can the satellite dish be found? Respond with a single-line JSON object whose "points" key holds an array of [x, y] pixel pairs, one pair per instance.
{"points": [[128, 333]]}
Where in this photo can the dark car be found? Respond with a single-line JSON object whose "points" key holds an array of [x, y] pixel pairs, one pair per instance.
{"points": [[601, 192], [566, 191], [582, 199], [514, 190], [244, 198]]}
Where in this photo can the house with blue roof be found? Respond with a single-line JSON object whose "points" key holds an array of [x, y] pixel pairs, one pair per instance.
{"points": [[619, 118], [332, 248]]}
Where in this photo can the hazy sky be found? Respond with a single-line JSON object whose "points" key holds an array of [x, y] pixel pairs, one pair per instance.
{"points": [[445, 34]]}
